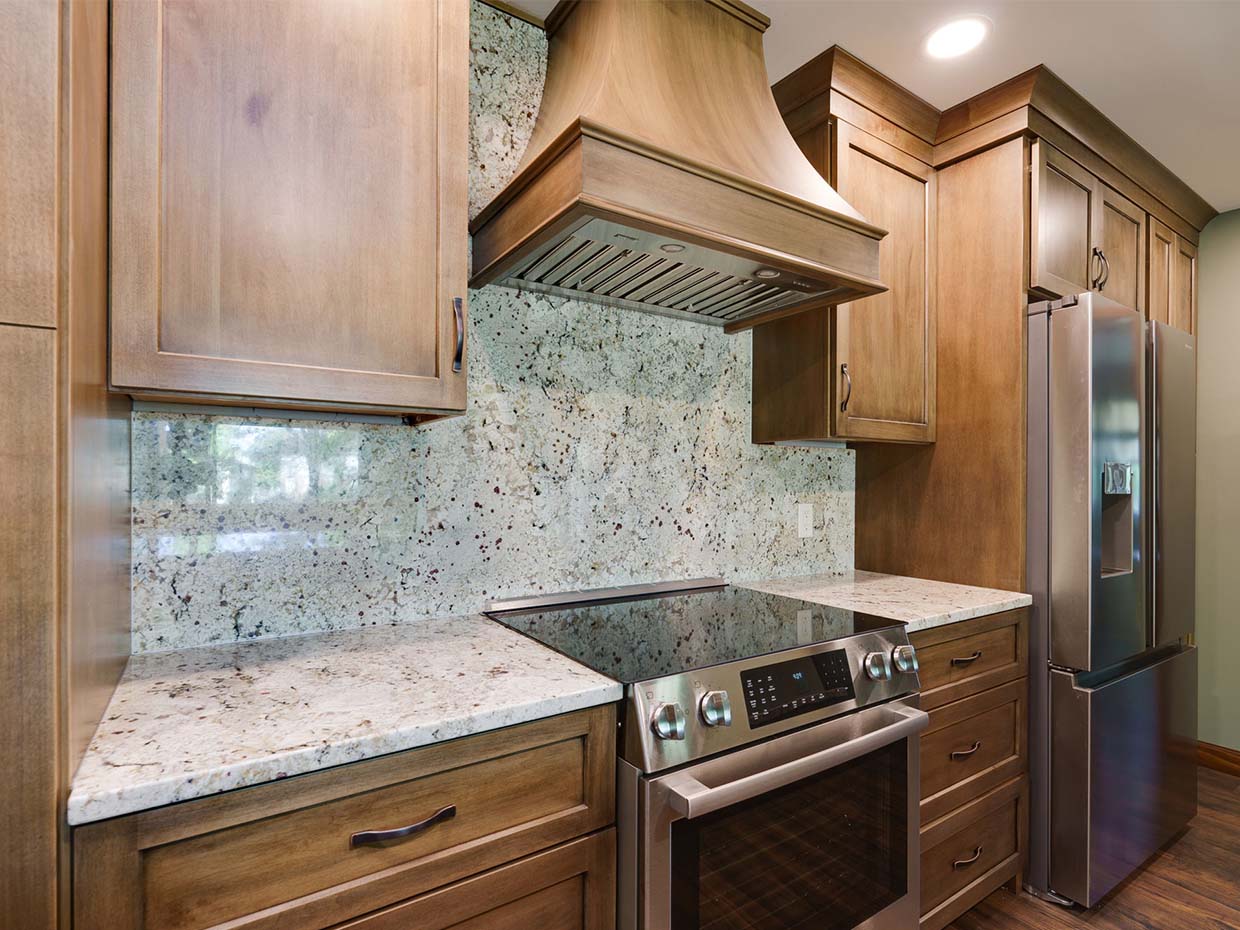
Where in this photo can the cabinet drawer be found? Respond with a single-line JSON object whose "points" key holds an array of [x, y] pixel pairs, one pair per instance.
{"points": [[971, 746], [970, 853], [571, 887], [972, 656], [275, 856]]}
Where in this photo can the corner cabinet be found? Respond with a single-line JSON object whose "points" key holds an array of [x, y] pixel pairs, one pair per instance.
{"points": [[862, 371], [1172, 278], [288, 224]]}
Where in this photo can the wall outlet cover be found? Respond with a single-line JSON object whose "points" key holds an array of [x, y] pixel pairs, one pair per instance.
{"points": [[805, 520]]}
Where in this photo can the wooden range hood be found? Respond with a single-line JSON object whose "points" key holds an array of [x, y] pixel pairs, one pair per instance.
{"points": [[660, 175]]}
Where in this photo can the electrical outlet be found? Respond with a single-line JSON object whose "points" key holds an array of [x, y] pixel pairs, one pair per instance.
{"points": [[805, 520]]}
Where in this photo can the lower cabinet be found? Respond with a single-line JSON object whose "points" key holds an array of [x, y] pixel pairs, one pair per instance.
{"points": [[500, 829], [974, 761]]}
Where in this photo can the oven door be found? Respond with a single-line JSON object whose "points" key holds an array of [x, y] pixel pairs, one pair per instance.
{"points": [[815, 830]]}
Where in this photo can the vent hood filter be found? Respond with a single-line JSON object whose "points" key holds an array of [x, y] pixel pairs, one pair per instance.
{"points": [[660, 176]]}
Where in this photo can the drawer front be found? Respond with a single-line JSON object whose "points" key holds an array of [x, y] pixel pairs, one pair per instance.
{"points": [[975, 849], [971, 746], [571, 887], [969, 657], [971, 852], [281, 856]]}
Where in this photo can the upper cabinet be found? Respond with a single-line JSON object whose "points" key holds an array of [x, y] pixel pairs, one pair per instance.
{"points": [[288, 221], [1065, 219], [1172, 278], [864, 370]]}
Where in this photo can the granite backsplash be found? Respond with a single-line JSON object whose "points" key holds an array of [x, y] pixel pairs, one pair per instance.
{"points": [[601, 447]]}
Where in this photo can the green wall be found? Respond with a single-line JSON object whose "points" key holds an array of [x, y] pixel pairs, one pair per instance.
{"points": [[1218, 480]]}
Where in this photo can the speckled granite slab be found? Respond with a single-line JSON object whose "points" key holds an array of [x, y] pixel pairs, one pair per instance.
{"points": [[920, 604], [200, 721]]}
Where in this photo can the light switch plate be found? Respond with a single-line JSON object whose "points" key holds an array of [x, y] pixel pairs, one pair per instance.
{"points": [[805, 520]]}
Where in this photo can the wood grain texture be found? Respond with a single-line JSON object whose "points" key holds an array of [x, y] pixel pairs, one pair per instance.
{"points": [[792, 369], [956, 511], [962, 659], [29, 734], [888, 340], [1189, 885], [571, 887], [243, 267], [1161, 263], [95, 535], [1065, 217], [29, 148], [1220, 758], [1123, 244], [277, 855], [1183, 311]]}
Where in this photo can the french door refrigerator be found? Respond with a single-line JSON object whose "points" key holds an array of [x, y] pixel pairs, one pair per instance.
{"points": [[1113, 682]]}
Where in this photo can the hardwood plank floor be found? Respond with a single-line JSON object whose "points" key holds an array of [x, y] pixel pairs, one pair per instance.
{"points": [[1194, 884]]}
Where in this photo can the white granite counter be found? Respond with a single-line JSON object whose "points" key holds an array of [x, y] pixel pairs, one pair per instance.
{"points": [[920, 604], [199, 721]]}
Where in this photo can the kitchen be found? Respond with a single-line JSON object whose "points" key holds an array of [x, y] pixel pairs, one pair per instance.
{"points": [[596, 467]]}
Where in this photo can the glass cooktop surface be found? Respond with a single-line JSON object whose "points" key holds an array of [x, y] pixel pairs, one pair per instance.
{"points": [[639, 638]]}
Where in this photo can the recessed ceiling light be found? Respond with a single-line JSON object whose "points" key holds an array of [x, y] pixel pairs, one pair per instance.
{"points": [[957, 37]]}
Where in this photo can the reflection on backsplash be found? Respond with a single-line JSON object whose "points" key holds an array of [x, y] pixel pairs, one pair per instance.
{"points": [[601, 447]]}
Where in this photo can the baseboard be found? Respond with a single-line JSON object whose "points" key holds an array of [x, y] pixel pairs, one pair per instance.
{"points": [[1219, 758]]}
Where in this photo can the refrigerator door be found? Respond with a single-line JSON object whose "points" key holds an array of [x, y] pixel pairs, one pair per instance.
{"points": [[1096, 428], [1173, 482], [1123, 771]]}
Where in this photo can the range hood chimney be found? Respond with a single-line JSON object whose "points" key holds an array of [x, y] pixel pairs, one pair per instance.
{"points": [[660, 175]]}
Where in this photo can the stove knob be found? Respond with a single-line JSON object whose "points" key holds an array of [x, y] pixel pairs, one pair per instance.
{"points": [[716, 709], [904, 658], [668, 721], [878, 666]]}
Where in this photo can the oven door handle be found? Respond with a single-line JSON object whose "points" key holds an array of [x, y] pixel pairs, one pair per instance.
{"points": [[689, 798]]}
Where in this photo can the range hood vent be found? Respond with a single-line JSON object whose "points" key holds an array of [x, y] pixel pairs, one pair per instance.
{"points": [[660, 176]]}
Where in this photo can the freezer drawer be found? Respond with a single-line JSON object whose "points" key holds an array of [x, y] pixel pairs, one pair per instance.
{"points": [[1123, 771]]}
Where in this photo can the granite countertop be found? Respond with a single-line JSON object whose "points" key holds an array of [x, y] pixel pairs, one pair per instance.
{"points": [[199, 721], [918, 603]]}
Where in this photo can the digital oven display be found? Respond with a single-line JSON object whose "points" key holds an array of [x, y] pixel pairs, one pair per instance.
{"points": [[798, 686]]}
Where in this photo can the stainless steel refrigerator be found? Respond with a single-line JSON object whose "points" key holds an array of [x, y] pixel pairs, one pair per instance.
{"points": [[1113, 676]]}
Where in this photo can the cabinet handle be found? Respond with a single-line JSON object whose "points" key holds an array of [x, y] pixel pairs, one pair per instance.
{"points": [[1095, 258], [458, 311], [967, 660], [1106, 270], [958, 754], [848, 384], [373, 837], [963, 863]]}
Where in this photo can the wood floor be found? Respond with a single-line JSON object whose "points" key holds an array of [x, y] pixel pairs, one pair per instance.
{"points": [[1192, 885]]}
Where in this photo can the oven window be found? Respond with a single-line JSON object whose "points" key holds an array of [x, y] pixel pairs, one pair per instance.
{"points": [[826, 853]]}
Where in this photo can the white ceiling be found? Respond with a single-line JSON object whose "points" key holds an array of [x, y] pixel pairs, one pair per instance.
{"points": [[1166, 71]]}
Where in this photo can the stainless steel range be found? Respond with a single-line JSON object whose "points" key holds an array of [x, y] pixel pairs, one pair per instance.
{"points": [[768, 774]]}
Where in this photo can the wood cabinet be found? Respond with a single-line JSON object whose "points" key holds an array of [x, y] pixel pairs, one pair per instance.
{"points": [[1122, 250], [974, 817], [864, 370], [288, 854], [1065, 217], [288, 223], [1172, 277]]}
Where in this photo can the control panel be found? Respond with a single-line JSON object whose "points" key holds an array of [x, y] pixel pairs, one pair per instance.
{"points": [[798, 686]]}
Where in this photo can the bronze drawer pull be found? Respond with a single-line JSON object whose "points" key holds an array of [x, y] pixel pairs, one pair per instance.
{"points": [[371, 837], [962, 863], [848, 382], [967, 660], [958, 754]]}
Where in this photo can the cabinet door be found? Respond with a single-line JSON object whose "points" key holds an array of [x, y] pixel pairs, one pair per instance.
{"points": [[884, 373], [1183, 313], [1066, 218], [1161, 262], [1123, 250], [289, 217]]}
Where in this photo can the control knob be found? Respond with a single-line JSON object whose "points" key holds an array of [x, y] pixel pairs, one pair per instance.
{"points": [[904, 658], [878, 666], [716, 709], [668, 721]]}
